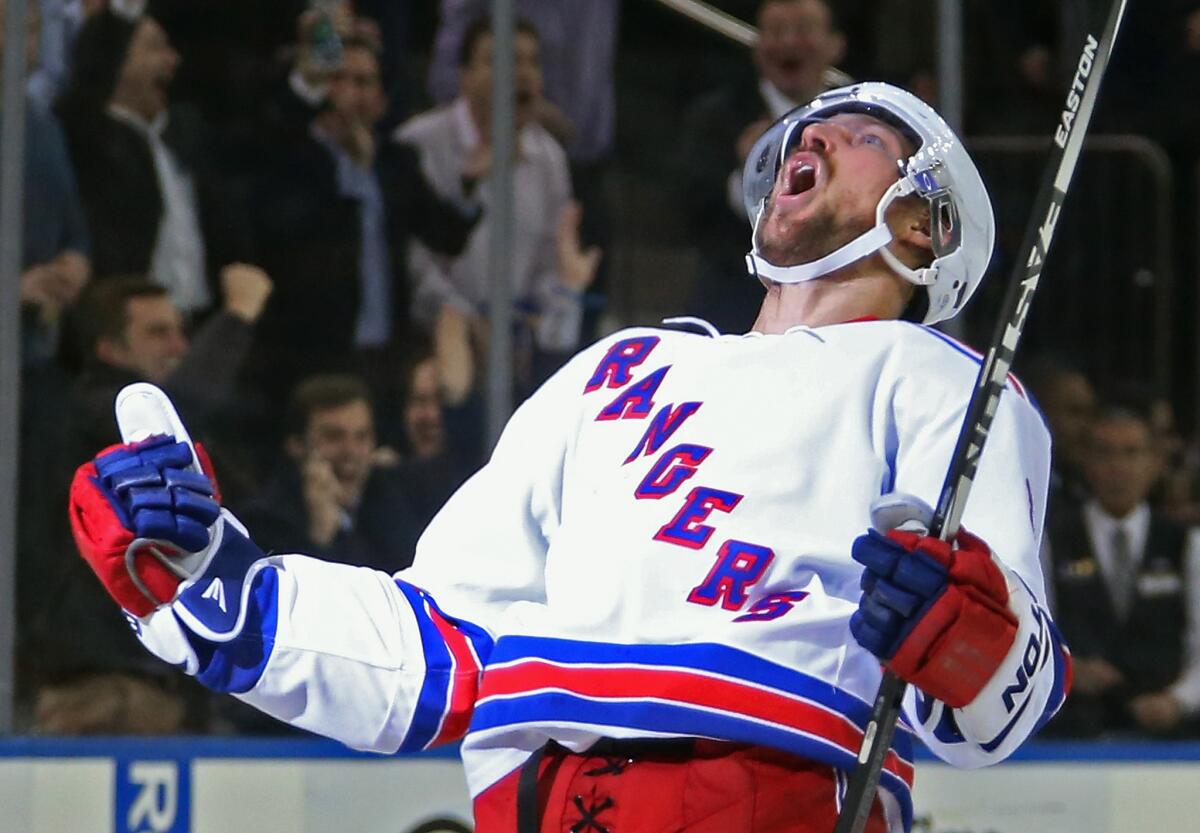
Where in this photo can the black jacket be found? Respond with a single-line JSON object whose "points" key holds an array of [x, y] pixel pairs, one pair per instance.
{"points": [[1147, 647], [119, 188], [309, 236], [383, 531]]}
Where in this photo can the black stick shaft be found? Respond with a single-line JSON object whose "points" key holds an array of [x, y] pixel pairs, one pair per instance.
{"points": [[1068, 142]]}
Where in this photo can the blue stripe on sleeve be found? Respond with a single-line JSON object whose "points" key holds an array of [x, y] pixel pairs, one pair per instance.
{"points": [[1059, 692], [435, 690], [479, 638], [947, 730]]}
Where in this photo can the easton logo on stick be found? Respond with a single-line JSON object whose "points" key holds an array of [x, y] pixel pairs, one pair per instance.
{"points": [[1075, 95]]}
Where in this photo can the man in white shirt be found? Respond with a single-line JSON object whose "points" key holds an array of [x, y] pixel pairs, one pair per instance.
{"points": [[145, 165], [550, 269], [1121, 577]]}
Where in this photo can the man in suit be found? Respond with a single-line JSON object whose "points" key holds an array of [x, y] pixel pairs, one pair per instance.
{"points": [[337, 209], [1124, 579], [798, 42], [146, 166]]}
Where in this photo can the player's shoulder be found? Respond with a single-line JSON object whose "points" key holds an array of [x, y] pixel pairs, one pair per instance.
{"points": [[932, 353], [634, 346], [682, 331]]}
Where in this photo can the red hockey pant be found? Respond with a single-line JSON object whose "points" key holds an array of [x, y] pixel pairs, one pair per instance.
{"points": [[709, 787]]}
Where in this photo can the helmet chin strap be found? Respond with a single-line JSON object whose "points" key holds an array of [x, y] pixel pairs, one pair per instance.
{"points": [[867, 243]]}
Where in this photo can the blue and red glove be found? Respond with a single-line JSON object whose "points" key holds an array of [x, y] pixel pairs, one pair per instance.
{"points": [[936, 615], [137, 511]]}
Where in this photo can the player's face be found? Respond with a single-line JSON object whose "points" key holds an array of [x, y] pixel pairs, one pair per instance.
{"points": [[344, 436], [829, 186], [153, 342], [149, 67], [1122, 465]]}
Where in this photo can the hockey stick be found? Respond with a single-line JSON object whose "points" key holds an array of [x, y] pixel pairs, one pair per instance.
{"points": [[1068, 142]]}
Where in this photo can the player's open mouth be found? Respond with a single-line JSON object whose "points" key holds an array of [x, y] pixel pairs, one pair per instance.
{"points": [[800, 176]]}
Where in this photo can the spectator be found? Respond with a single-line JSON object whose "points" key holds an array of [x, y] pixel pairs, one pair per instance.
{"points": [[798, 42], [578, 40], [61, 21], [144, 165], [1068, 402], [337, 211], [391, 20], [439, 461], [136, 333], [329, 498], [1127, 598], [550, 269], [92, 675], [54, 259]]}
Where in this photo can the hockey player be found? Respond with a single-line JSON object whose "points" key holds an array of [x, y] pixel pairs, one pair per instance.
{"points": [[655, 607]]}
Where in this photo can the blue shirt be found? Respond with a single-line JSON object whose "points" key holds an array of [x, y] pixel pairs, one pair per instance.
{"points": [[374, 325]]}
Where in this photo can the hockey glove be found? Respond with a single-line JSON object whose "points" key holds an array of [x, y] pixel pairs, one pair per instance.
{"points": [[141, 512], [936, 615]]}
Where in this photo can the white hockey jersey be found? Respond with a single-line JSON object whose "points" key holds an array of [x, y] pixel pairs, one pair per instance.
{"points": [[659, 546]]}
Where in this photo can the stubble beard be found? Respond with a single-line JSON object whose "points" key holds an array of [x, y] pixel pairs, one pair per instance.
{"points": [[804, 241]]}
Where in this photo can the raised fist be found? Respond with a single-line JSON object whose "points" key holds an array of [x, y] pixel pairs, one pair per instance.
{"points": [[935, 614], [136, 511], [245, 289]]}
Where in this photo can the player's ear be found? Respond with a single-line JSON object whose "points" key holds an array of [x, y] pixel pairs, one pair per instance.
{"points": [[910, 228], [915, 232]]}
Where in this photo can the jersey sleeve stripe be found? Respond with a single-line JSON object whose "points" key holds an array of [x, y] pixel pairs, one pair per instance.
{"points": [[464, 679], [452, 651]]}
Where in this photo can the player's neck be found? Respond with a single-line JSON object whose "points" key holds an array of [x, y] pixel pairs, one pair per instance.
{"points": [[830, 301]]}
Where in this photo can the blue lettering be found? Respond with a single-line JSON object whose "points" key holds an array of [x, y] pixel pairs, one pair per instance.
{"points": [[773, 606], [665, 423], [687, 529], [738, 566], [671, 471], [615, 368], [637, 401]]}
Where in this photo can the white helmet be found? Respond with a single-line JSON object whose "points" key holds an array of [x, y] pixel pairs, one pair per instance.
{"points": [[962, 226]]}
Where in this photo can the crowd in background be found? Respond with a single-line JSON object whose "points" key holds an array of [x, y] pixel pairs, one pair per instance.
{"points": [[279, 212]]}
